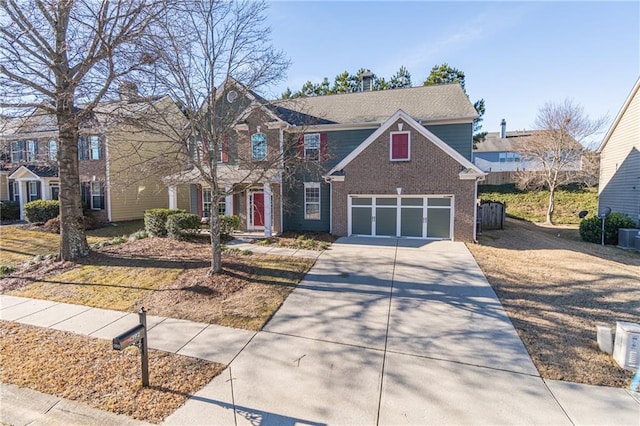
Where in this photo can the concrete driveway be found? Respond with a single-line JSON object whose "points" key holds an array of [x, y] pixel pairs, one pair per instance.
{"points": [[382, 331]]}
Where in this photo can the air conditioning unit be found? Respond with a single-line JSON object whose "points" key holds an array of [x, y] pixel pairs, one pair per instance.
{"points": [[626, 351], [627, 237]]}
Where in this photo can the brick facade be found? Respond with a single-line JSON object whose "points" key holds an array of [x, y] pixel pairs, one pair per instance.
{"points": [[430, 171]]}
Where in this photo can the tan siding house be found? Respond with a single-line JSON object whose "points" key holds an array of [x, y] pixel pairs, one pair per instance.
{"points": [[123, 153], [619, 187]]}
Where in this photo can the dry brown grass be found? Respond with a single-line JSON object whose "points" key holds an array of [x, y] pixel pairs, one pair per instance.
{"points": [[89, 370], [170, 278], [556, 289]]}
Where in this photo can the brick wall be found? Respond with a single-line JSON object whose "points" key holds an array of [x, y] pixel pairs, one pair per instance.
{"points": [[430, 171]]}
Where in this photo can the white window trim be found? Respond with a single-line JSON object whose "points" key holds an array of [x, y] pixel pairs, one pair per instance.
{"points": [[408, 133], [319, 202], [30, 192], [304, 146], [31, 150], [99, 194], [253, 158], [53, 154]]}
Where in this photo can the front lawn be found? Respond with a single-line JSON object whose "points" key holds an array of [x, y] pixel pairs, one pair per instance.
{"points": [[19, 245], [169, 278]]}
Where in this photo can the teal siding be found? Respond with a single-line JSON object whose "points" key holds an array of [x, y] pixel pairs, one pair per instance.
{"points": [[294, 210], [457, 136], [341, 143]]}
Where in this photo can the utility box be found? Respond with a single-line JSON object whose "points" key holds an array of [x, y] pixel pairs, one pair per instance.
{"points": [[627, 237], [626, 351]]}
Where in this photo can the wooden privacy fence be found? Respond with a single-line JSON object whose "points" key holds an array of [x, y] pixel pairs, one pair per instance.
{"points": [[491, 215]]}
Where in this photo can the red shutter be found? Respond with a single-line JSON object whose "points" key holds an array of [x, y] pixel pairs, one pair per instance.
{"points": [[323, 147], [400, 146], [301, 146], [225, 148]]}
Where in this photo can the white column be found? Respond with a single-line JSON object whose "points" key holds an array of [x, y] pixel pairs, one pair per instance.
{"points": [[267, 210], [228, 200], [173, 197], [22, 195]]}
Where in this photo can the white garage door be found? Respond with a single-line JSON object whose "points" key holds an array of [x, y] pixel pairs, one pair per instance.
{"points": [[401, 216]]}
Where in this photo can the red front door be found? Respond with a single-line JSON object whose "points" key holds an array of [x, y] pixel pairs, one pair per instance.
{"points": [[258, 209]]}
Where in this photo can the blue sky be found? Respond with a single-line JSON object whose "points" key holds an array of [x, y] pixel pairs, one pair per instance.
{"points": [[516, 55]]}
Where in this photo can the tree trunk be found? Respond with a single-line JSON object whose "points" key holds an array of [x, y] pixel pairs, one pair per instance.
{"points": [[73, 239], [216, 247], [550, 210]]}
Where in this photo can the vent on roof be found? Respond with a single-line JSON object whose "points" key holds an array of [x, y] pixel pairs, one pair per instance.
{"points": [[503, 129]]}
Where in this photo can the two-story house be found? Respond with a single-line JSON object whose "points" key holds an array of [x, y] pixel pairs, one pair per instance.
{"points": [[377, 163], [109, 144]]}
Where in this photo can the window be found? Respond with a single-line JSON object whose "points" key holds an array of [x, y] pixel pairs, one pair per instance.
{"points": [[312, 146], [206, 202], [33, 189], [32, 150], [97, 199], [312, 200], [509, 157], [53, 150], [16, 191], [54, 188], [258, 146], [89, 148], [400, 146], [18, 149], [96, 149]]}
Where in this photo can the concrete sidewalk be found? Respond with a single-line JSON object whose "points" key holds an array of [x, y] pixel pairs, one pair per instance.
{"points": [[380, 331]]}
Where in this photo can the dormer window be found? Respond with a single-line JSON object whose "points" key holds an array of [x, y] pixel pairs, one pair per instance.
{"points": [[258, 147], [400, 146]]}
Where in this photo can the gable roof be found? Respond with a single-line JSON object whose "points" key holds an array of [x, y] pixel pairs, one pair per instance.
{"points": [[34, 171], [624, 108], [423, 103], [470, 171], [513, 142]]}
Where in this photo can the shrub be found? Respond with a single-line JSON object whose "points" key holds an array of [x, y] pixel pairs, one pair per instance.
{"points": [[591, 228], [39, 211], [9, 210], [53, 225], [228, 224], [138, 235], [180, 225], [6, 270], [155, 220]]}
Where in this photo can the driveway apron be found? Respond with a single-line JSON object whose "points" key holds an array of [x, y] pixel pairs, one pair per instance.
{"points": [[382, 331]]}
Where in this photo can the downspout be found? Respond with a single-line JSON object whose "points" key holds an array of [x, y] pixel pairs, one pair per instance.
{"points": [[107, 177], [281, 134]]}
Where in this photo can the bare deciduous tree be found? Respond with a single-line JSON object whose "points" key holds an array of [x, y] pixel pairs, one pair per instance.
{"points": [[61, 56], [554, 152], [211, 56]]}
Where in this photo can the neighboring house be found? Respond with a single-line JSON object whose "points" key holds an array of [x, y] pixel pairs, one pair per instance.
{"points": [[112, 188], [619, 187], [500, 151], [504, 152], [376, 163]]}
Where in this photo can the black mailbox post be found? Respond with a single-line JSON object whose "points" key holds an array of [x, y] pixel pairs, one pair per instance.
{"points": [[136, 336]]}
